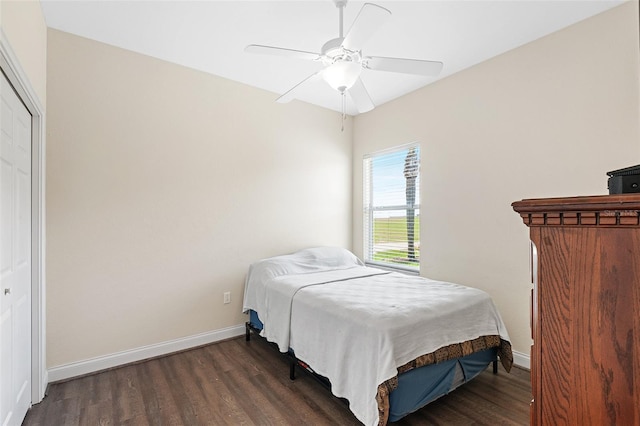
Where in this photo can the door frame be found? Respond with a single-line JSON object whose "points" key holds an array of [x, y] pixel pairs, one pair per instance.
{"points": [[12, 69]]}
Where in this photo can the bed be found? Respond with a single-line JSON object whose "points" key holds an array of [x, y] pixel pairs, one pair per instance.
{"points": [[387, 342]]}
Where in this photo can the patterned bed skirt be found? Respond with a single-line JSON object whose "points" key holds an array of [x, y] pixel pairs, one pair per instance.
{"points": [[446, 353]]}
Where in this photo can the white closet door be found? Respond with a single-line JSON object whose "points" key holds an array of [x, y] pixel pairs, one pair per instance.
{"points": [[15, 257]]}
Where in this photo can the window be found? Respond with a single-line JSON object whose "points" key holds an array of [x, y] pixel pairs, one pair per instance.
{"points": [[392, 208]]}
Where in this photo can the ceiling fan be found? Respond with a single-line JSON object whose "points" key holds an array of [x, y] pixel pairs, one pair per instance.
{"points": [[344, 61]]}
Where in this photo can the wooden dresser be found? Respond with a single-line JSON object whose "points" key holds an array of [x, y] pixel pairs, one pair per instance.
{"points": [[585, 309]]}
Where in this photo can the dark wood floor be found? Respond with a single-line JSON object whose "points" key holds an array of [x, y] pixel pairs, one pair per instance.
{"points": [[247, 383]]}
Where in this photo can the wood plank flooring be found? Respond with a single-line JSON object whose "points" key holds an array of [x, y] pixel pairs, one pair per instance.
{"points": [[247, 383]]}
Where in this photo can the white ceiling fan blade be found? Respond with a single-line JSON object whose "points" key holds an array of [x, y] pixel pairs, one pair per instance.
{"points": [[361, 97], [272, 50], [406, 66], [369, 19], [290, 94]]}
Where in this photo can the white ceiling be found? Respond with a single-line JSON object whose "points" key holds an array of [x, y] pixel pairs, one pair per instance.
{"points": [[211, 35]]}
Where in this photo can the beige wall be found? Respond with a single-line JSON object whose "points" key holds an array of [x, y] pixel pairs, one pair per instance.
{"points": [[23, 24], [163, 184], [547, 119]]}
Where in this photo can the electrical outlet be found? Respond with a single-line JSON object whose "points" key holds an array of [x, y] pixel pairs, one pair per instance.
{"points": [[227, 297]]}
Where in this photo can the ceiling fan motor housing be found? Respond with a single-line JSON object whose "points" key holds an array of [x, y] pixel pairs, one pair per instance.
{"points": [[332, 52]]}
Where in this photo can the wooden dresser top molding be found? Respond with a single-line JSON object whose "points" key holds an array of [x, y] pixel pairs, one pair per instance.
{"points": [[596, 210]]}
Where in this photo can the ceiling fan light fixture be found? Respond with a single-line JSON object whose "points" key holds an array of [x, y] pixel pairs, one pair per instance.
{"points": [[342, 75]]}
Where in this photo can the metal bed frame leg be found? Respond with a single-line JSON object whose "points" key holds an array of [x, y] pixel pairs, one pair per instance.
{"points": [[292, 368], [292, 359]]}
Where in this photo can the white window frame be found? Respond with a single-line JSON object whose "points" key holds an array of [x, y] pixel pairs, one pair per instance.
{"points": [[369, 209]]}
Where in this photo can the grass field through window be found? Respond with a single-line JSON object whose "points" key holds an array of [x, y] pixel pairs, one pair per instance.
{"points": [[390, 243]]}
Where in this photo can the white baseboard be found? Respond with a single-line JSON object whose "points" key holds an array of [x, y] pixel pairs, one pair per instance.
{"points": [[79, 368], [92, 365], [522, 360]]}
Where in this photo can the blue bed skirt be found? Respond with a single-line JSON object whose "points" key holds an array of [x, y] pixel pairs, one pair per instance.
{"points": [[420, 386]]}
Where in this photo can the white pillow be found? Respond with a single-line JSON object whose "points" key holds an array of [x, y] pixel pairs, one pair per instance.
{"points": [[305, 261]]}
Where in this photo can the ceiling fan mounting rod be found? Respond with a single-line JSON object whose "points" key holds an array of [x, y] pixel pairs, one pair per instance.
{"points": [[340, 4]]}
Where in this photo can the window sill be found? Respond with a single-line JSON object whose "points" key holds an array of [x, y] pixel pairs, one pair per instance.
{"points": [[401, 269]]}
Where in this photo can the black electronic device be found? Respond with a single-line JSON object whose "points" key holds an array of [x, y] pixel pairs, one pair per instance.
{"points": [[623, 181]]}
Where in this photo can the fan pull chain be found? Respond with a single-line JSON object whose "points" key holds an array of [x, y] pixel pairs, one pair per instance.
{"points": [[344, 108]]}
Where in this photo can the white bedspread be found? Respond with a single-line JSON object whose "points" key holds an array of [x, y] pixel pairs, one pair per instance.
{"points": [[276, 306], [356, 325]]}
